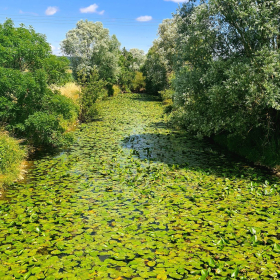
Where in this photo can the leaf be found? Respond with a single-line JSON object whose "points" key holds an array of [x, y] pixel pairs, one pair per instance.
{"points": [[276, 248], [204, 274], [253, 231], [211, 263], [235, 273], [36, 270], [26, 275]]}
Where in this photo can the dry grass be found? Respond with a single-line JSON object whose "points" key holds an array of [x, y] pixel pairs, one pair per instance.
{"points": [[70, 90]]}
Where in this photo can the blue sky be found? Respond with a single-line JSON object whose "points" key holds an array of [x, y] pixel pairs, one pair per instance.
{"points": [[134, 22]]}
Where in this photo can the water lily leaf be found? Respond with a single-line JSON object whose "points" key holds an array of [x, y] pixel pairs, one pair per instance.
{"points": [[235, 273], [211, 263], [276, 248]]}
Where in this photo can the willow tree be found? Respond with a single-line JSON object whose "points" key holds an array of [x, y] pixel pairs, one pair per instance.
{"points": [[228, 70], [90, 47]]}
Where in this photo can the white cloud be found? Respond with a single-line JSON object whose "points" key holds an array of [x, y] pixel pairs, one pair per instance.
{"points": [[51, 11], [144, 18], [53, 48], [178, 1], [91, 9]]}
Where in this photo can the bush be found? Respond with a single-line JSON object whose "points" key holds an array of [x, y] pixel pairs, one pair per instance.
{"points": [[117, 90], [28, 107], [21, 95], [110, 89], [57, 69], [60, 105], [45, 129], [11, 156], [138, 83], [93, 90]]}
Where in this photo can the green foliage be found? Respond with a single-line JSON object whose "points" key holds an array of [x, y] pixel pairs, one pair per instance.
{"points": [[126, 74], [167, 94], [11, 156], [57, 69], [162, 204], [93, 90], [160, 58], [60, 105], [155, 72], [227, 69], [22, 48], [138, 83], [117, 90], [21, 94], [28, 108], [44, 129], [91, 47], [110, 89]]}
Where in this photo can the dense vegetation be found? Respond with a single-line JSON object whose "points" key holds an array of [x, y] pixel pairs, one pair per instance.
{"points": [[28, 108], [133, 199], [225, 57], [31, 104], [11, 156]]}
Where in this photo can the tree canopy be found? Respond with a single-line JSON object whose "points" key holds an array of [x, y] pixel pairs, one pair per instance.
{"points": [[91, 47]]}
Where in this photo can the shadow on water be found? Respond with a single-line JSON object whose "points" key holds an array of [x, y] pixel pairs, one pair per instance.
{"points": [[146, 97], [178, 148]]}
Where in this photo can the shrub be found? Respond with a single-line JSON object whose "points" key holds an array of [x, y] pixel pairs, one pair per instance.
{"points": [[11, 156], [117, 90], [138, 83], [93, 90], [166, 94], [60, 105], [45, 129], [110, 90], [21, 95], [26, 101], [57, 69]]}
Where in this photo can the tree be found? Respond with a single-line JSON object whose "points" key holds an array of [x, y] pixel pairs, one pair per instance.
{"points": [[91, 47], [139, 59], [126, 74], [28, 108], [155, 71], [227, 70], [22, 48], [57, 70], [160, 58]]}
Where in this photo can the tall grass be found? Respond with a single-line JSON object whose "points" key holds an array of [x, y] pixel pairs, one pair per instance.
{"points": [[70, 90], [11, 157]]}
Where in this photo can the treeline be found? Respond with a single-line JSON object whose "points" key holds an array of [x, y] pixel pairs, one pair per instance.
{"points": [[219, 63], [32, 80]]}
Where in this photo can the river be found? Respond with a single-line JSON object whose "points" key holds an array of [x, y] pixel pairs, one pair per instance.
{"points": [[136, 199]]}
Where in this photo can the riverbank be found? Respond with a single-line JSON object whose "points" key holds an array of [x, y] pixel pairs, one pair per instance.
{"points": [[12, 155], [134, 199]]}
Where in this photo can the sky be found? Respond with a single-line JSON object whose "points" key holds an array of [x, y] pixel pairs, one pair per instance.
{"points": [[134, 22]]}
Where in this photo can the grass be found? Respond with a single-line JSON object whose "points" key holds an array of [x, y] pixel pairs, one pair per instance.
{"points": [[70, 90], [11, 157]]}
